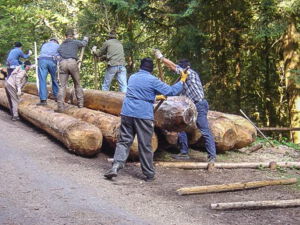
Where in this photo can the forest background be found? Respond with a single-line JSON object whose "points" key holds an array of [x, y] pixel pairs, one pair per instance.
{"points": [[246, 51]]}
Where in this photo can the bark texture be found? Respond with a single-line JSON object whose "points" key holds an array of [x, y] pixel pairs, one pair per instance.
{"points": [[79, 137]]}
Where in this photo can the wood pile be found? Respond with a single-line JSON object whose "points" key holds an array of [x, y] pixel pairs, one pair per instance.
{"points": [[174, 115]]}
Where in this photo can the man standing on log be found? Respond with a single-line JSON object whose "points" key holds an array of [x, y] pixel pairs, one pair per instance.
{"points": [[13, 86], [48, 64], [13, 59], [192, 89], [137, 117], [68, 51], [113, 51]]}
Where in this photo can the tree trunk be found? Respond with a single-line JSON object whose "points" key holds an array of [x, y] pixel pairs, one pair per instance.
{"points": [[79, 137], [291, 57]]}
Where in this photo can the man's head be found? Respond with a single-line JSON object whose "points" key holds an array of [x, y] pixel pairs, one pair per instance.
{"points": [[27, 65], [70, 33], [184, 63], [18, 44], [54, 39], [147, 64], [112, 34]]}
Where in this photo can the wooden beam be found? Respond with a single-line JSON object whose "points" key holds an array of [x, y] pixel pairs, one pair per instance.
{"points": [[256, 204], [280, 128], [233, 186]]}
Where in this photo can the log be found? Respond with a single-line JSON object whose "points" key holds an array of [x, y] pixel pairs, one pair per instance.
{"points": [[177, 113], [234, 186], [79, 137], [256, 204], [224, 165]]}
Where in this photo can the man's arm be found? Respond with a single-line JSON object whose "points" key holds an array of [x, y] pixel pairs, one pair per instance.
{"points": [[82, 43], [171, 65], [25, 56], [102, 51]]}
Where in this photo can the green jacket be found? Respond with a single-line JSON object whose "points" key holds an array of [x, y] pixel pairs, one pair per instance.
{"points": [[113, 50]]}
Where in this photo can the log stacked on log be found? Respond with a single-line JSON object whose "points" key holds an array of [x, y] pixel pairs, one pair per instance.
{"points": [[79, 137], [175, 114]]}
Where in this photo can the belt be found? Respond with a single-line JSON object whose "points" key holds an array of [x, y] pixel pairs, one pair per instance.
{"points": [[196, 102], [69, 58], [47, 58]]}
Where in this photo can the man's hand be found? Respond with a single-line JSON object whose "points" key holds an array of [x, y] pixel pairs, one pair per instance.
{"points": [[19, 92], [86, 38], [160, 97], [184, 76], [94, 50], [158, 54], [29, 52]]}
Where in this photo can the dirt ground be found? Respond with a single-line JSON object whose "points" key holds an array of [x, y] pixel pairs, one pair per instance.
{"points": [[42, 183]]}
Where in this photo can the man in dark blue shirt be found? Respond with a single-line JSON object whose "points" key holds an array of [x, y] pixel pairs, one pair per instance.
{"points": [[13, 59], [193, 89], [137, 117]]}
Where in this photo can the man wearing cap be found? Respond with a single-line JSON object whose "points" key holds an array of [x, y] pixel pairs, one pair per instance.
{"points": [[137, 117], [113, 51], [13, 59], [48, 64], [13, 86], [193, 89], [68, 51]]}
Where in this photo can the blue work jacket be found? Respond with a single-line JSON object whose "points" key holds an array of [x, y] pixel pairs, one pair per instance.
{"points": [[13, 59], [49, 50], [141, 92]]}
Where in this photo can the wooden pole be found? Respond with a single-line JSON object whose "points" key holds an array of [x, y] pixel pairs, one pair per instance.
{"points": [[224, 165], [81, 57], [259, 131], [95, 72], [36, 67], [233, 186], [256, 204], [280, 128]]}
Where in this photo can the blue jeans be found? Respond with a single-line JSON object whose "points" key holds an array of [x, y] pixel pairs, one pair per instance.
{"points": [[111, 71], [47, 66], [202, 124]]}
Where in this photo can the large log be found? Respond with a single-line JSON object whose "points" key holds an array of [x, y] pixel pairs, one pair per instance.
{"points": [[256, 204], [108, 124], [234, 186], [79, 137], [175, 114]]}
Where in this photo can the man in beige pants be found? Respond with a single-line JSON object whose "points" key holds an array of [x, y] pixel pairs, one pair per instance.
{"points": [[68, 51], [13, 86]]}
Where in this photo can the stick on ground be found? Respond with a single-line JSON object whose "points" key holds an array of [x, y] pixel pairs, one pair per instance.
{"points": [[256, 204], [233, 186]]}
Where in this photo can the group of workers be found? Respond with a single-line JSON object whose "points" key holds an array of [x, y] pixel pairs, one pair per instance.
{"points": [[142, 89]]}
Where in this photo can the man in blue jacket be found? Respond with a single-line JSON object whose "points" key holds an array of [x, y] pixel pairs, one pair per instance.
{"points": [[48, 64], [137, 117], [13, 59]]}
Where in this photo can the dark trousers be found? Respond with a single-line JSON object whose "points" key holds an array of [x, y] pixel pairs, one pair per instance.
{"points": [[144, 129], [9, 71], [202, 124]]}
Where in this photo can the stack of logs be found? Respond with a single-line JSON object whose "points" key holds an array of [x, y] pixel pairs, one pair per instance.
{"points": [[81, 129]]}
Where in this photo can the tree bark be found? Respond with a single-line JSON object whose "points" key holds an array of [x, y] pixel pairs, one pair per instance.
{"points": [[291, 57], [256, 204], [234, 186], [79, 137]]}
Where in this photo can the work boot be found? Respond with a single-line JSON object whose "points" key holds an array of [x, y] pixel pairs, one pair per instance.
{"points": [[15, 118], [113, 172], [149, 179], [181, 156], [42, 103]]}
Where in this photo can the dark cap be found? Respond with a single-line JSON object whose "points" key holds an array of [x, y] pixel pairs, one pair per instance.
{"points": [[70, 32], [18, 44], [184, 63], [112, 34], [54, 39], [27, 63], [147, 64]]}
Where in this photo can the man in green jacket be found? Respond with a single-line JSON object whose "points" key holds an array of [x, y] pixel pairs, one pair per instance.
{"points": [[113, 51]]}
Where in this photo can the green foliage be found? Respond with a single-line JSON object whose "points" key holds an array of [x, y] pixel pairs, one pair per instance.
{"points": [[234, 45]]}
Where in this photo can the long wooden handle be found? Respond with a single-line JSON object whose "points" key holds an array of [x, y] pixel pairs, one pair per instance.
{"points": [[81, 57]]}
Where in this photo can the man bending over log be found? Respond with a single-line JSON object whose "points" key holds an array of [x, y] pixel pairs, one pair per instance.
{"points": [[192, 89], [13, 86], [68, 51], [137, 117]]}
